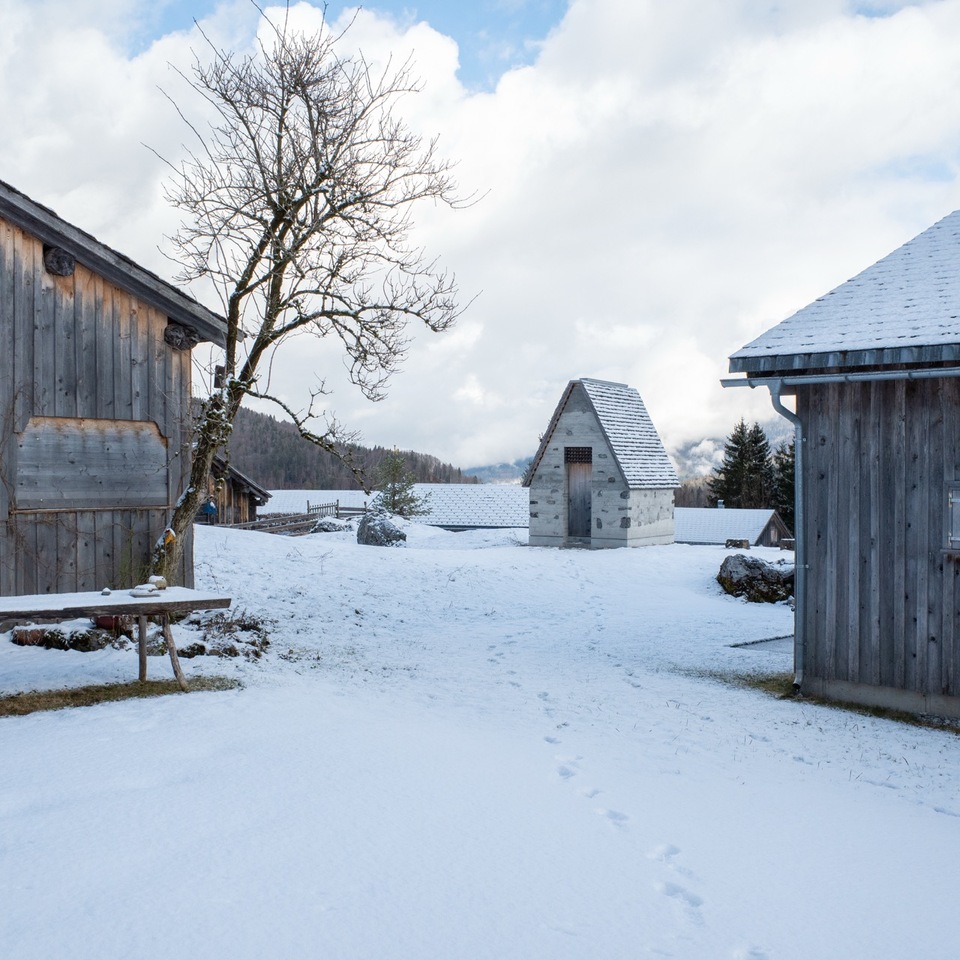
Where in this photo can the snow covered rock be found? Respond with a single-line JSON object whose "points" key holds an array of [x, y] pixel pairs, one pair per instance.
{"points": [[330, 525], [755, 579], [378, 530]]}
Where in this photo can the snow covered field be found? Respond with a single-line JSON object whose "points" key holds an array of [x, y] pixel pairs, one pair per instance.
{"points": [[468, 748]]}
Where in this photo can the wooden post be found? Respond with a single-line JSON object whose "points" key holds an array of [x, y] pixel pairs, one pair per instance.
{"points": [[142, 623], [172, 650]]}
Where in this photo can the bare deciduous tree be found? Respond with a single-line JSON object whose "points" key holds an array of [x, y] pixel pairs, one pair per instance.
{"points": [[297, 207]]}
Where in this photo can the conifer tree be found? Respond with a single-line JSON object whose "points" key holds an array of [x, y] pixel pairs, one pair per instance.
{"points": [[784, 481], [745, 478], [395, 485]]}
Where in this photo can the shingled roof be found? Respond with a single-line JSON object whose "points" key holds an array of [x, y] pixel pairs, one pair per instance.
{"points": [[903, 309], [628, 429]]}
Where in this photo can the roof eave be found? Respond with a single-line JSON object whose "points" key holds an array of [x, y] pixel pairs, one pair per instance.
{"points": [[120, 270], [793, 363]]}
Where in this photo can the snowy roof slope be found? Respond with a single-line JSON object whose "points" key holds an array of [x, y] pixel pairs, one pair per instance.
{"points": [[633, 438], [471, 505], [475, 504], [905, 308], [712, 525]]}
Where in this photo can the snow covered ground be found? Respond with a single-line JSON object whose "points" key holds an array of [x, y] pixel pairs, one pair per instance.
{"points": [[468, 748]]}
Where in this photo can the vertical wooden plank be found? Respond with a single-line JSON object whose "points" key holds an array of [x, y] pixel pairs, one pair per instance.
{"points": [[138, 362], [816, 526], [106, 336], [887, 536], [914, 520], [64, 344], [929, 630], [123, 357], [7, 393], [87, 547], [24, 295], [87, 386], [64, 528], [872, 610], [898, 580], [851, 462], [47, 553], [45, 344]]}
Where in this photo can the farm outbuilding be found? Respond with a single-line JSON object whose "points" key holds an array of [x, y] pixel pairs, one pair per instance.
{"points": [[759, 527], [875, 370], [601, 476], [94, 394], [235, 496]]}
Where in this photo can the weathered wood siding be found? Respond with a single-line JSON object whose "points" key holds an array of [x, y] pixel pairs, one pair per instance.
{"points": [[883, 595], [93, 449], [619, 516], [235, 503]]}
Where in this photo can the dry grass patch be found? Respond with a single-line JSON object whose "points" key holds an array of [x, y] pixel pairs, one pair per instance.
{"points": [[20, 704], [780, 685]]}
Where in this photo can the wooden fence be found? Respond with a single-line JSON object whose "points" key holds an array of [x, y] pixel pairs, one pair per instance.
{"points": [[297, 524]]}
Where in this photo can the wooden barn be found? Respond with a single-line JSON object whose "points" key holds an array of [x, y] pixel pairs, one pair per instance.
{"points": [[234, 494], [601, 477], [874, 367], [94, 394], [717, 525]]}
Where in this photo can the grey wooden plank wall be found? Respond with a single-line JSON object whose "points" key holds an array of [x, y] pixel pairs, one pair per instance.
{"points": [[883, 593], [83, 352]]}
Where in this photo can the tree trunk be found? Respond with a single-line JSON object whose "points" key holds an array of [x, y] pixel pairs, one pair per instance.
{"points": [[211, 434]]}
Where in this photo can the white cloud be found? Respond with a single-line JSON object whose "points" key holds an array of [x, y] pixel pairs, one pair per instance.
{"points": [[663, 183]]}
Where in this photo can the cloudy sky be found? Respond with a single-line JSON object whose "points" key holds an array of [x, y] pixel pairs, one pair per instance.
{"points": [[662, 180]]}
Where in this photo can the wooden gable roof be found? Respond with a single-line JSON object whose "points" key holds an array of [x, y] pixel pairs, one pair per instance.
{"points": [[905, 309], [627, 428], [17, 208], [222, 469]]}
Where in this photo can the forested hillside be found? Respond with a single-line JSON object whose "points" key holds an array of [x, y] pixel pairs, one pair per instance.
{"points": [[272, 453]]}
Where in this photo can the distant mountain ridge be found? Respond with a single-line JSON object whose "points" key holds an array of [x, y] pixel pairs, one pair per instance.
{"points": [[501, 472], [272, 453]]}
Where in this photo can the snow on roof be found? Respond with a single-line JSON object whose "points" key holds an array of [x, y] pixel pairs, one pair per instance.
{"points": [[713, 525], [475, 504], [633, 438], [472, 505], [910, 299]]}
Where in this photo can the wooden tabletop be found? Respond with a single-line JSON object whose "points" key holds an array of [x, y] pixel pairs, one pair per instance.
{"points": [[95, 603]]}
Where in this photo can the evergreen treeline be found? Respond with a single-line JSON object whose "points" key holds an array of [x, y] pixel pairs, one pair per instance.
{"points": [[753, 475], [272, 453]]}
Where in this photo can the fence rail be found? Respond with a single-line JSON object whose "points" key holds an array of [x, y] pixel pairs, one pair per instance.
{"points": [[297, 524]]}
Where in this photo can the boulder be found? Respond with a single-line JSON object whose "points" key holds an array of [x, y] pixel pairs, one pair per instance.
{"points": [[329, 525], [377, 529], [756, 580]]}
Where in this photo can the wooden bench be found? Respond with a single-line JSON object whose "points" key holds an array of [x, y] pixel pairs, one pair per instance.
{"points": [[118, 603]]}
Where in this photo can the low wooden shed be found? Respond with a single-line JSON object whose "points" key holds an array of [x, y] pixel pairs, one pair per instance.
{"points": [[236, 497], [94, 394], [874, 366], [717, 525], [601, 476]]}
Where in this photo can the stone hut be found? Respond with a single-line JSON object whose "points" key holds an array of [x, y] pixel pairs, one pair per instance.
{"points": [[601, 477]]}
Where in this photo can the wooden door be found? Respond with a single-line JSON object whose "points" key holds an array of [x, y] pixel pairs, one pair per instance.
{"points": [[579, 476]]}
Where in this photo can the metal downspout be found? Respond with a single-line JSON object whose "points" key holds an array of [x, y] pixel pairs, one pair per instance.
{"points": [[800, 554]]}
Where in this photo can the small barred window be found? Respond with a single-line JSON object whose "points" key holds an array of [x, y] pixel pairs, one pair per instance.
{"points": [[578, 454]]}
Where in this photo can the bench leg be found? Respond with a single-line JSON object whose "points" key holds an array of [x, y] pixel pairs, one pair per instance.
{"points": [[142, 640], [172, 650]]}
